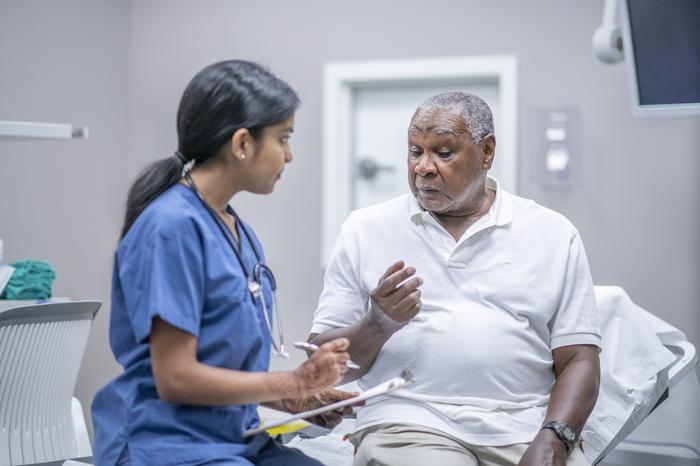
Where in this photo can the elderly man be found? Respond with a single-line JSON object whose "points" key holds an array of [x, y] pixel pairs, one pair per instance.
{"points": [[500, 329]]}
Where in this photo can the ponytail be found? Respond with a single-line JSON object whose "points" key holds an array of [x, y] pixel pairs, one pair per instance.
{"points": [[153, 180]]}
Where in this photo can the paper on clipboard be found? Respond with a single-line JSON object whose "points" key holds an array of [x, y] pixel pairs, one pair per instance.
{"points": [[402, 380]]}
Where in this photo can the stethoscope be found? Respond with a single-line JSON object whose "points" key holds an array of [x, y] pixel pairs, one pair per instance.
{"points": [[260, 271]]}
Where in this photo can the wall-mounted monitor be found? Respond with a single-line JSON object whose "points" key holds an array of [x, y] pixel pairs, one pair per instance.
{"points": [[662, 53]]}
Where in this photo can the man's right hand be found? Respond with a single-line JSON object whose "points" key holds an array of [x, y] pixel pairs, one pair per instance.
{"points": [[396, 299], [394, 302]]}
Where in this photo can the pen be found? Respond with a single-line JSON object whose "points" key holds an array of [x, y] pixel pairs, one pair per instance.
{"points": [[302, 345]]}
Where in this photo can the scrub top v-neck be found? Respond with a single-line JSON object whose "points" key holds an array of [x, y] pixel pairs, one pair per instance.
{"points": [[175, 264]]}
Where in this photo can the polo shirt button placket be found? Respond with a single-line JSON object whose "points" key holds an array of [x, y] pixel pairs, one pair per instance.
{"points": [[453, 264]]}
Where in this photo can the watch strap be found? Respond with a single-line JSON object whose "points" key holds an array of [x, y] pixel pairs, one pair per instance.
{"points": [[562, 428]]}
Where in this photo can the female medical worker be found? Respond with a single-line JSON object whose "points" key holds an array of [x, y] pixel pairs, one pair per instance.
{"points": [[192, 297]]}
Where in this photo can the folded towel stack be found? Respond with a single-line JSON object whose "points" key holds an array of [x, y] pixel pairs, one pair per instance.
{"points": [[31, 280]]}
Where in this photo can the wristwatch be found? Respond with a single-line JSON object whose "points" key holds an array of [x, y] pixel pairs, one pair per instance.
{"points": [[564, 431]]}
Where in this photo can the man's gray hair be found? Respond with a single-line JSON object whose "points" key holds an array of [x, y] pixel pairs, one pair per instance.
{"points": [[477, 113]]}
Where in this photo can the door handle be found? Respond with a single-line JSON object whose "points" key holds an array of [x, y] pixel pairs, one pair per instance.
{"points": [[368, 168]]}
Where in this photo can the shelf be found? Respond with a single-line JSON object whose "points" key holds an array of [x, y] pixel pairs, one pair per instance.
{"points": [[36, 130]]}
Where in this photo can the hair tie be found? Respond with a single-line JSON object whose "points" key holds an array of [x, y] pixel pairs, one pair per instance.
{"points": [[180, 156], [186, 164]]}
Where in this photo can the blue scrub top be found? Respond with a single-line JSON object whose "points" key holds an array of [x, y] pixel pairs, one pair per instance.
{"points": [[175, 263]]}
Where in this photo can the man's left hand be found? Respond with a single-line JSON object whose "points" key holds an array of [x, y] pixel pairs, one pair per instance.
{"points": [[545, 450], [329, 419]]}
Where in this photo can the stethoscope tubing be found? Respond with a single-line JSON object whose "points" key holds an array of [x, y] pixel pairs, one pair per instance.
{"points": [[255, 279]]}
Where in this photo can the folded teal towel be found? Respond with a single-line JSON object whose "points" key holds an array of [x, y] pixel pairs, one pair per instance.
{"points": [[31, 280]]}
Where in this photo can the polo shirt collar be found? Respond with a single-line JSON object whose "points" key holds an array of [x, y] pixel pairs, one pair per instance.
{"points": [[501, 210]]}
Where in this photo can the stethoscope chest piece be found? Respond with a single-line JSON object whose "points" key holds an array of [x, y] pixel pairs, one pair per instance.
{"points": [[255, 289]]}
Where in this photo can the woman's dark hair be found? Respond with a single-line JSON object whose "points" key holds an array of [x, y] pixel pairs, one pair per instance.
{"points": [[220, 99]]}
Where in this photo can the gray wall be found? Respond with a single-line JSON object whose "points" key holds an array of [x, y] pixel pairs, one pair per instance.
{"points": [[637, 204], [60, 200]]}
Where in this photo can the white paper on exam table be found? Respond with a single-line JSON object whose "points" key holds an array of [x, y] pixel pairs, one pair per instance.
{"points": [[397, 382]]}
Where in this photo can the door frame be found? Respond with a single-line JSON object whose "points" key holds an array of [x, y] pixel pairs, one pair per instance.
{"points": [[339, 81]]}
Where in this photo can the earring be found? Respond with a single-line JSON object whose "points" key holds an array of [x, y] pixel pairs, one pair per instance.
{"points": [[241, 156]]}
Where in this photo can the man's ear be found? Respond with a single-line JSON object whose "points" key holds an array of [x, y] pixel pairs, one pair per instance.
{"points": [[241, 143], [489, 148]]}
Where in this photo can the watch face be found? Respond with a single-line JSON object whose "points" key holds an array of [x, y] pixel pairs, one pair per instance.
{"points": [[568, 432]]}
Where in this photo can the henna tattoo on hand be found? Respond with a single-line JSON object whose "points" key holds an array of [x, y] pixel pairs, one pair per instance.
{"points": [[284, 383], [323, 369]]}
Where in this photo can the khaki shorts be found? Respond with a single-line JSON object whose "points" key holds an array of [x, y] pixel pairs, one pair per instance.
{"points": [[413, 445]]}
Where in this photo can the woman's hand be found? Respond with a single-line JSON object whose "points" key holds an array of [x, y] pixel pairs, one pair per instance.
{"points": [[324, 368], [329, 419], [545, 450]]}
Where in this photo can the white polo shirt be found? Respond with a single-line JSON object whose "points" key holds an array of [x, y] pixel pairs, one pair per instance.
{"points": [[495, 303]]}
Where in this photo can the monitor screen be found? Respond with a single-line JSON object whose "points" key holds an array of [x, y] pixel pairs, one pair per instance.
{"points": [[662, 48]]}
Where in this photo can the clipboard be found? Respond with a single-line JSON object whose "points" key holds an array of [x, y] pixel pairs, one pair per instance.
{"points": [[402, 380]]}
